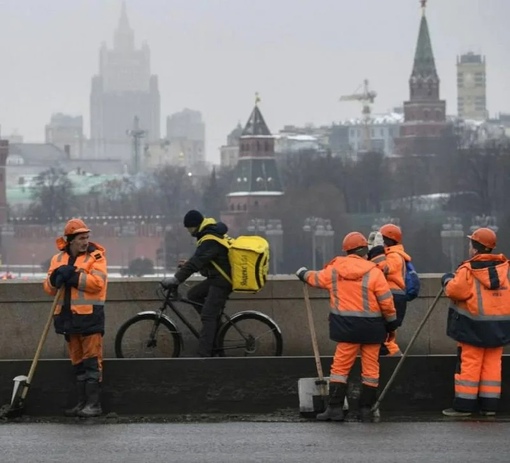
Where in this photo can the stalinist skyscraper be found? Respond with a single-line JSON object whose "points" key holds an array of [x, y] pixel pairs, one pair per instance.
{"points": [[123, 90]]}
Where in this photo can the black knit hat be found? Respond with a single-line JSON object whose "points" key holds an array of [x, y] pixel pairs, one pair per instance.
{"points": [[193, 219]]}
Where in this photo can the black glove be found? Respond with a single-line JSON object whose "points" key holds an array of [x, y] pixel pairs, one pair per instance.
{"points": [[301, 273], [170, 282], [53, 278], [61, 275], [67, 271], [446, 278], [73, 280], [375, 251], [391, 336], [392, 326]]}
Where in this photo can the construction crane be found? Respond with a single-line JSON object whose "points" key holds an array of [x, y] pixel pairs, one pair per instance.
{"points": [[367, 98]]}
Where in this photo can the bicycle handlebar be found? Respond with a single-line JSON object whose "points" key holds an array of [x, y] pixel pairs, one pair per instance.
{"points": [[171, 292]]}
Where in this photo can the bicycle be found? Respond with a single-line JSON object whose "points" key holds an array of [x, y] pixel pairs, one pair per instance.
{"points": [[155, 334]]}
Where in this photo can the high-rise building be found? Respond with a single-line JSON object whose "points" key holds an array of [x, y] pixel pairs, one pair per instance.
{"points": [[123, 90], [424, 124], [471, 87], [185, 133], [229, 153], [66, 132]]}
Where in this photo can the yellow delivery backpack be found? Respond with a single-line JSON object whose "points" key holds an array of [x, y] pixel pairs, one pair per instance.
{"points": [[249, 259]]}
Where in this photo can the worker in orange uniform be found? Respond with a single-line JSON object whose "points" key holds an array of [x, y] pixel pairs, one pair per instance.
{"points": [[391, 258], [80, 267], [479, 320], [362, 315]]}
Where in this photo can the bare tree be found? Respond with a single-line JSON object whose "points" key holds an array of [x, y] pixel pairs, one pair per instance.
{"points": [[53, 197]]}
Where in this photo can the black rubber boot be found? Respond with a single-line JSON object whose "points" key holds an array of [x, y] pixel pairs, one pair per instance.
{"points": [[80, 393], [93, 405], [367, 399], [334, 411]]}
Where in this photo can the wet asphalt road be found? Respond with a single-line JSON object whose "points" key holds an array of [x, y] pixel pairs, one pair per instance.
{"points": [[255, 442]]}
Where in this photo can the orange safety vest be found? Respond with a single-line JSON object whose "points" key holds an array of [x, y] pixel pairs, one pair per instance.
{"points": [[81, 308], [360, 299], [479, 312]]}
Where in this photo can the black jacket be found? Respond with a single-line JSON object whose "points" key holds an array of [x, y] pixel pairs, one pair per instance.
{"points": [[208, 251]]}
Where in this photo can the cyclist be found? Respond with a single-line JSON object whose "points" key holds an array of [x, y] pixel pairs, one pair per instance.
{"points": [[214, 291]]}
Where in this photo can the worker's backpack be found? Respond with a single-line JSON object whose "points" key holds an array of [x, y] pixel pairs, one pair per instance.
{"points": [[412, 282], [249, 260]]}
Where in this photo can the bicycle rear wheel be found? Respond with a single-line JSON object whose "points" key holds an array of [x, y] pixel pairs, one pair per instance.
{"points": [[147, 335], [249, 333]]}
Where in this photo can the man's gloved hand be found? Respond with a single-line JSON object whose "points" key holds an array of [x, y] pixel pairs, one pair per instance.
{"points": [[53, 277], [181, 263], [301, 273], [376, 251], [61, 275], [392, 326], [446, 278], [391, 336], [170, 282]]}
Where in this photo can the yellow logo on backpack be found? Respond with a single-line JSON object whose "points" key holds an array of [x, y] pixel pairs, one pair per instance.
{"points": [[249, 260]]}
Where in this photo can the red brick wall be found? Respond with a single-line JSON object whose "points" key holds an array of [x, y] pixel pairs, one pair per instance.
{"points": [[33, 244]]}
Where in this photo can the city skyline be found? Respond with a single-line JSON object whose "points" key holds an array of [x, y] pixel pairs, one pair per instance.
{"points": [[214, 57]]}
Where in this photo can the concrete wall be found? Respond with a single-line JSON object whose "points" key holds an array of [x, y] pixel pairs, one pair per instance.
{"points": [[229, 386], [24, 308]]}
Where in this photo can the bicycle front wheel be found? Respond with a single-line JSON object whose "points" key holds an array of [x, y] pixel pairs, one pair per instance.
{"points": [[147, 335], [249, 334]]}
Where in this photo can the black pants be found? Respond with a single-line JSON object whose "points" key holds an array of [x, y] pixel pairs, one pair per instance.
{"points": [[213, 295]]}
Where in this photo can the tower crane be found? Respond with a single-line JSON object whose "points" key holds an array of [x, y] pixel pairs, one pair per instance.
{"points": [[366, 97]]}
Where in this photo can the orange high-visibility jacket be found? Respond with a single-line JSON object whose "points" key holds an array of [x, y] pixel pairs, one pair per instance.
{"points": [[82, 309], [362, 309], [479, 312], [393, 265]]}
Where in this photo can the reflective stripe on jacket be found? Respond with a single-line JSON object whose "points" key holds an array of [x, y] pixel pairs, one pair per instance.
{"points": [[360, 299], [82, 309], [479, 312]]}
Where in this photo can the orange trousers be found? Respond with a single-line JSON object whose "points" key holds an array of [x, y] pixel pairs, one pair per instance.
{"points": [[345, 355], [477, 377], [86, 354], [392, 347]]}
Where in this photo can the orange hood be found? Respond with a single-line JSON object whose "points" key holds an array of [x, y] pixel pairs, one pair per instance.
{"points": [[399, 249], [491, 270], [352, 267]]}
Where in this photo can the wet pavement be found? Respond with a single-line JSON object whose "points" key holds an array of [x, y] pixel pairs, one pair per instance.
{"points": [[252, 439]]}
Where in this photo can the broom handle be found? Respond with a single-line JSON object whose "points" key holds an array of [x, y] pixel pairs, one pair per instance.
{"points": [[408, 348], [312, 333], [43, 338]]}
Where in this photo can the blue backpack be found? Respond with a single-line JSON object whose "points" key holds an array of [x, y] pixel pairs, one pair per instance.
{"points": [[412, 282]]}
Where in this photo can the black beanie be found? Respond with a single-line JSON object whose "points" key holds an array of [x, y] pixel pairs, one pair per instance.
{"points": [[193, 219]]}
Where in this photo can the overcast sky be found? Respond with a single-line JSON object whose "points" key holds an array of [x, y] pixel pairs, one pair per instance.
{"points": [[213, 55]]}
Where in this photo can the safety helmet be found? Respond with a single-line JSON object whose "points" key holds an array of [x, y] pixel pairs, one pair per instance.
{"points": [[391, 231], [484, 236], [354, 240], [75, 226]]}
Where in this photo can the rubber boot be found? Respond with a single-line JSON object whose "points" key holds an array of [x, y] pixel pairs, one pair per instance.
{"points": [[80, 393], [93, 405], [334, 411], [367, 399]]}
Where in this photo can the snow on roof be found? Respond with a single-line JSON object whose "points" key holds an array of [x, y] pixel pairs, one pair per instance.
{"points": [[296, 137], [377, 119]]}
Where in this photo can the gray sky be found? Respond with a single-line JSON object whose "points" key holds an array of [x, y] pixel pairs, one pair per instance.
{"points": [[213, 55]]}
